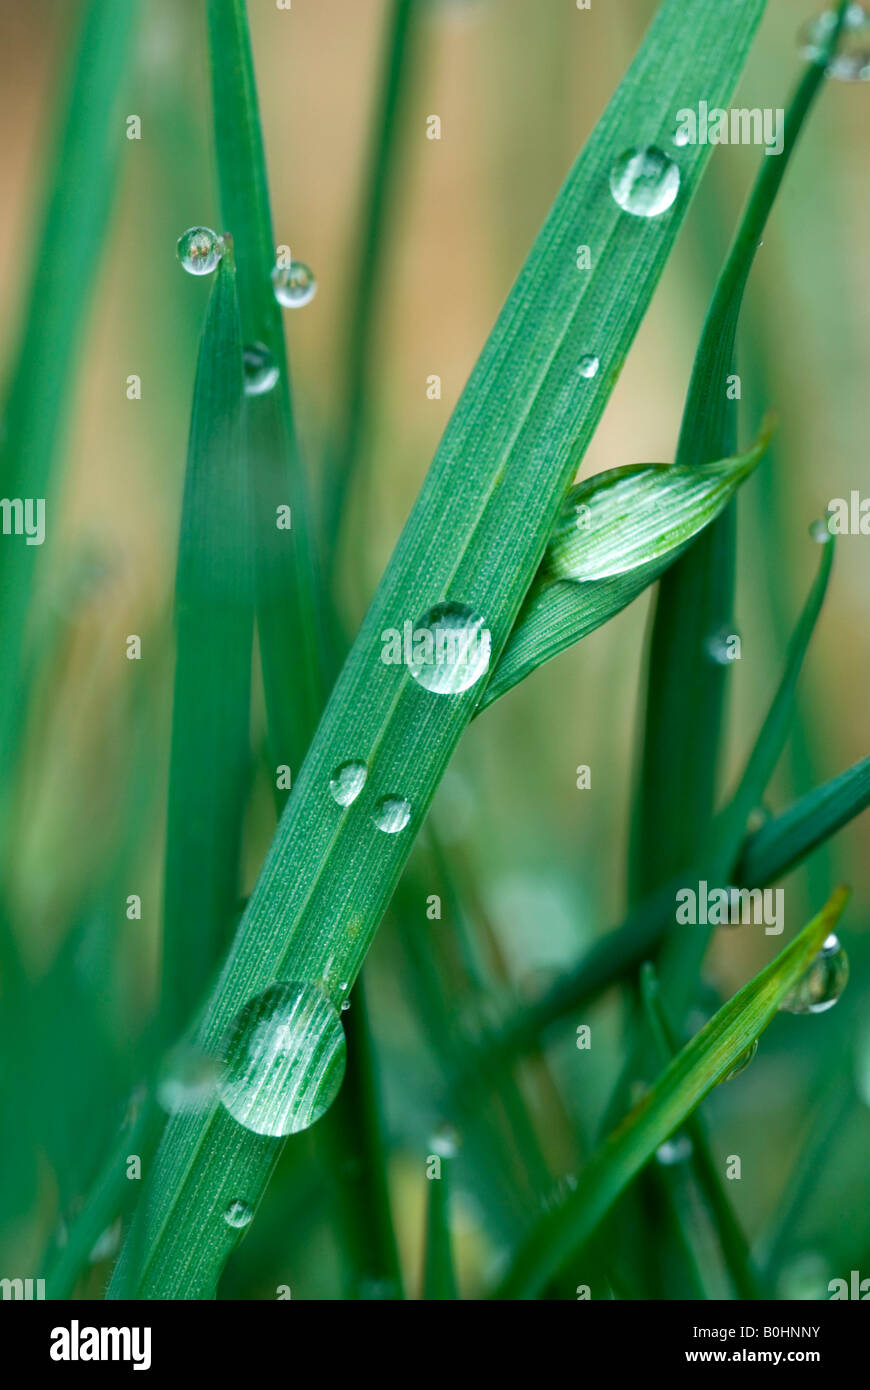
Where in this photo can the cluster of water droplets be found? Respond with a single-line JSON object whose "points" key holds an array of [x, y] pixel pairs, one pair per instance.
{"points": [[199, 250], [823, 982], [851, 62]]}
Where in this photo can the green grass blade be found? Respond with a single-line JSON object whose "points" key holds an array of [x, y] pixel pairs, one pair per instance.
{"points": [[616, 533], [685, 687], [704, 1062], [781, 844], [210, 751], [439, 1275], [287, 585], [67, 253], [732, 1242], [371, 248], [477, 534]]}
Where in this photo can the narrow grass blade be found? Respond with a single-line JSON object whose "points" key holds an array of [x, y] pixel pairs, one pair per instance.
{"points": [[616, 533], [439, 1276], [210, 753], [784, 841], [686, 680], [371, 248], [289, 611], [476, 535], [66, 258], [704, 1062], [733, 1243]]}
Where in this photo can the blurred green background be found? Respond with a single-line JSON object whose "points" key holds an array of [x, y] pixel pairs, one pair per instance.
{"points": [[538, 866]]}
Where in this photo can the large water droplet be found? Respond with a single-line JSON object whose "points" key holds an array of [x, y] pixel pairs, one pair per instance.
{"points": [[677, 1149], [742, 1061], [261, 369], [188, 1080], [392, 814], [851, 62], [347, 781], [199, 250], [294, 284], [822, 984], [588, 366], [645, 181], [284, 1058], [450, 649], [238, 1214]]}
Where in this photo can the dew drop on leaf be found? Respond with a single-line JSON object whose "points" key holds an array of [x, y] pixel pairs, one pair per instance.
{"points": [[822, 984], [294, 284], [392, 814], [588, 366], [284, 1060], [199, 250], [677, 1149], [645, 181], [450, 648], [851, 62], [238, 1214], [347, 781], [261, 369], [742, 1061], [819, 531]]}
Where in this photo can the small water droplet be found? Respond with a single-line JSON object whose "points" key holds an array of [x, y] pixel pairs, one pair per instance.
{"points": [[645, 181], [851, 62], [742, 1061], [445, 1141], [588, 366], [347, 781], [677, 1149], [392, 814], [822, 984], [284, 1060], [345, 1005], [199, 250], [188, 1080], [450, 648], [681, 138], [294, 284], [343, 985], [261, 369], [238, 1214], [819, 531], [722, 647]]}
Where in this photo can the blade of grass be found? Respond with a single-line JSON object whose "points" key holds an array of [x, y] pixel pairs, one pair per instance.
{"points": [[288, 594], [477, 533], [371, 246], [780, 845], [210, 751], [636, 521], [439, 1276], [693, 1073], [732, 1242], [685, 687], [67, 254]]}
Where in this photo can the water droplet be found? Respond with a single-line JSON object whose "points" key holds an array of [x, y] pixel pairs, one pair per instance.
{"points": [[199, 249], [345, 1005], [819, 531], [742, 1061], [822, 984], [445, 1141], [392, 814], [294, 284], [284, 1060], [450, 648], [722, 647], [347, 781], [851, 62], [677, 1149], [588, 366], [645, 181], [238, 1214], [188, 1080], [681, 137], [261, 369]]}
